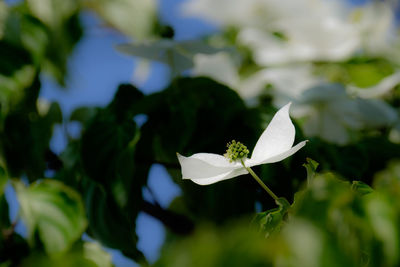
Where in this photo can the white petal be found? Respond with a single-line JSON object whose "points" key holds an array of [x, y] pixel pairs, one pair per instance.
{"points": [[204, 165], [278, 157], [229, 175], [215, 160], [277, 138]]}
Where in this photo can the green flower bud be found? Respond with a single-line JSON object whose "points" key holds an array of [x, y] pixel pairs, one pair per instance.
{"points": [[236, 151]]}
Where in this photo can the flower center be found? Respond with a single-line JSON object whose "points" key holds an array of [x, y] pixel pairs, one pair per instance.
{"points": [[236, 151]]}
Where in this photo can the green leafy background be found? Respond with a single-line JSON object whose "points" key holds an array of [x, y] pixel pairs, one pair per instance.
{"points": [[342, 209]]}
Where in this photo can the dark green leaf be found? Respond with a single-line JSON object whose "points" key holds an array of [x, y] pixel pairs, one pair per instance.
{"points": [[272, 220], [361, 188], [3, 180], [109, 224], [83, 114]]}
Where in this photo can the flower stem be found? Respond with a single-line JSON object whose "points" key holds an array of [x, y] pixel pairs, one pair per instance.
{"points": [[264, 186]]}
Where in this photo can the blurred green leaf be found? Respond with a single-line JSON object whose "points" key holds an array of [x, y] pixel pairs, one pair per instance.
{"points": [[3, 16], [4, 215], [86, 254], [3, 179], [135, 18], [388, 180], [232, 245], [367, 74], [272, 220], [360, 72], [27, 135], [52, 210], [109, 224], [83, 114], [62, 40], [106, 142], [311, 167], [384, 219], [206, 115], [361, 187], [199, 114], [53, 12], [13, 248]]}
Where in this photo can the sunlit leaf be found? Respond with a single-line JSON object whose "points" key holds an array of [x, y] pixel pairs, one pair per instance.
{"points": [[135, 18], [52, 210], [85, 254]]}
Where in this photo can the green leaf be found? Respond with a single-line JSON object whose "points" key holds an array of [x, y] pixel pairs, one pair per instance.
{"points": [[272, 220], [83, 114], [4, 216], [13, 248], [27, 135], [135, 18], [361, 188], [311, 167], [109, 224], [54, 211], [366, 74], [53, 12], [384, 219], [106, 143], [86, 254], [199, 114], [233, 245], [3, 180]]}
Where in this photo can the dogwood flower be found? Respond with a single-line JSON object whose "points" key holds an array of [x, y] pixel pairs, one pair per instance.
{"points": [[274, 144]]}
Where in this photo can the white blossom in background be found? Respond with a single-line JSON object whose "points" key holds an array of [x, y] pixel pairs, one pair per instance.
{"points": [[331, 114], [288, 81], [219, 66], [310, 29], [286, 39], [275, 144], [377, 26]]}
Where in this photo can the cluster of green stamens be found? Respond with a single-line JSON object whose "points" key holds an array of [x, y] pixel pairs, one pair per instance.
{"points": [[236, 151]]}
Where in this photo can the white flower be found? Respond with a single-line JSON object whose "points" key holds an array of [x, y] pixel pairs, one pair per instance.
{"points": [[311, 30], [275, 144], [330, 113], [288, 81]]}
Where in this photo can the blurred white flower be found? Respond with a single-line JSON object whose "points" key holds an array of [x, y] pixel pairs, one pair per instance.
{"points": [[377, 26], [283, 31], [219, 66], [330, 113], [288, 81], [275, 144]]}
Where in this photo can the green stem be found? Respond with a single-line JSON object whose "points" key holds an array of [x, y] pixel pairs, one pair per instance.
{"points": [[264, 186]]}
